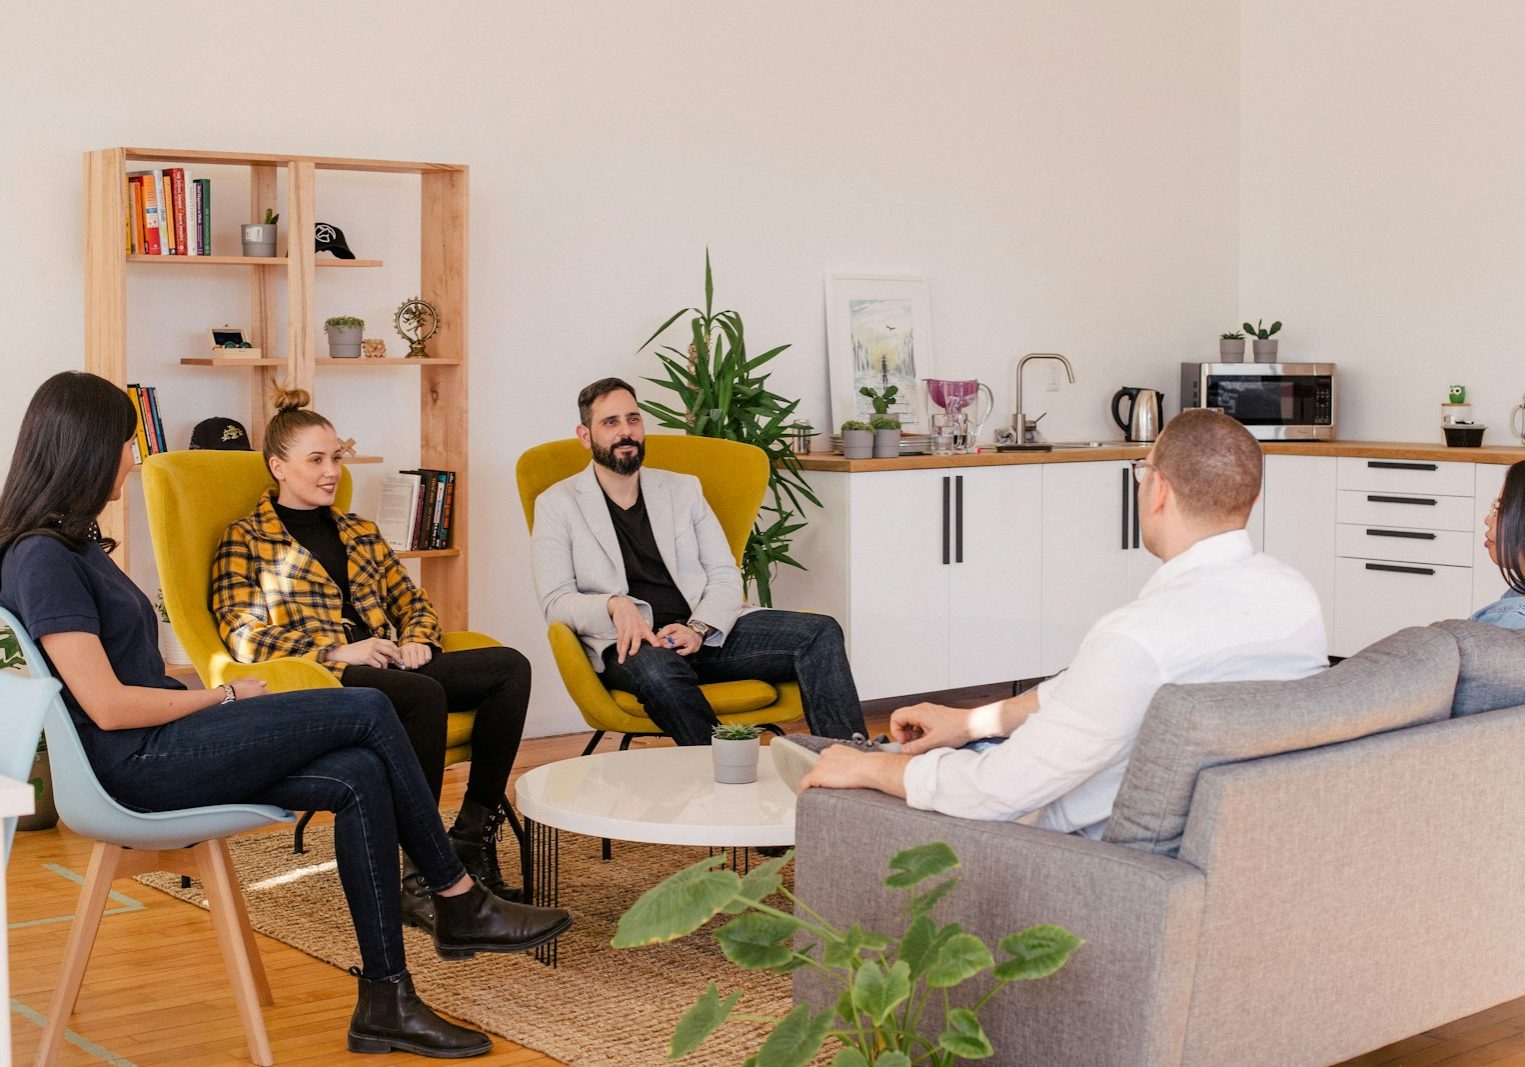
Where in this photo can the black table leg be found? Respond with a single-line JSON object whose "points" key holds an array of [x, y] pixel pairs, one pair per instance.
{"points": [[545, 890]]}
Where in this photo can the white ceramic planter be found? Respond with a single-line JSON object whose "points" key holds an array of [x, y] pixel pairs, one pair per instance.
{"points": [[1230, 351], [344, 341], [169, 645], [735, 761], [258, 239], [1265, 351]]}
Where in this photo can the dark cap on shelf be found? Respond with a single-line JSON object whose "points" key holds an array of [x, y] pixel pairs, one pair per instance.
{"points": [[331, 239], [225, 434]]}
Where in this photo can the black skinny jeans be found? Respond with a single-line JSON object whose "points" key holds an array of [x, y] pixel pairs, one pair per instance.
{"points": [[494, 681]]}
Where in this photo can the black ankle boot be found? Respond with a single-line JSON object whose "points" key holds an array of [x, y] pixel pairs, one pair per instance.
{"points": [[476, 921], [389, 1015], [417, 901], [475, 839]]}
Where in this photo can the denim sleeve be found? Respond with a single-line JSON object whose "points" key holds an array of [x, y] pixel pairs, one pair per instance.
{"points": [[1508, 613]]}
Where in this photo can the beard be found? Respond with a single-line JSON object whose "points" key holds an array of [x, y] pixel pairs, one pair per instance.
{"points": [[628, 464]]}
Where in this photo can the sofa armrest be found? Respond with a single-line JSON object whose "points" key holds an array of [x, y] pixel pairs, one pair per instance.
{"points": [[1123, 996]]}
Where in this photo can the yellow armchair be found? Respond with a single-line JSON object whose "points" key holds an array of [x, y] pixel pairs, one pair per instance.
{"points": [[735, 480]]}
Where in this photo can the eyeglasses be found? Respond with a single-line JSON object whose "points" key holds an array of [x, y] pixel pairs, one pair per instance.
{"points": [[1139, 467], [1493, 512]]}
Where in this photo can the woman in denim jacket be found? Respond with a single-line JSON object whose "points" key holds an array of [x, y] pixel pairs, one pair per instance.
{"points": [[1504, 538]]}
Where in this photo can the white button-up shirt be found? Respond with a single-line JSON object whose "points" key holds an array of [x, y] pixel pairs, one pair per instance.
{"points": [[1218, 612]]}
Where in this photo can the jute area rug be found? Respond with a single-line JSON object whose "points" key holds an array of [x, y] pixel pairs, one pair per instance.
{"points": [[600, 1006]]}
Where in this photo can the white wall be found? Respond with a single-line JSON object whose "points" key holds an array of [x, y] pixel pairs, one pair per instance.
{"points": [[1384, 148], [1065, 174]]}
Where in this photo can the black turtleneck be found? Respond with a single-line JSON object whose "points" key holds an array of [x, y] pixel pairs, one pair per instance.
{"points": [[316, 530]]}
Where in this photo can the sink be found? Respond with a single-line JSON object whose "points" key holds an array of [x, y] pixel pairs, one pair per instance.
{"points": [[1097, 444]]}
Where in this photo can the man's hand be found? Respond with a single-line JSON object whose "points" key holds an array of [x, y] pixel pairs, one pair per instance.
{"points": [[679, 638], [372, 652], [630, 627], [841, 767], [923, 727], [414, 655]]}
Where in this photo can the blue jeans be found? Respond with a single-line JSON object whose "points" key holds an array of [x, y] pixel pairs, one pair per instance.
{"points": [[773, 646], [338, 750]]}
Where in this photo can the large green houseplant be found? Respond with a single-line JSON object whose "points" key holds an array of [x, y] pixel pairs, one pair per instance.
{"points": [[721, 393], [887, 985]]}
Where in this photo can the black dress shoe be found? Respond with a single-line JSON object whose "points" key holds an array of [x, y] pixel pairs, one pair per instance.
{"points": [[476, 921], [389, 1015]]}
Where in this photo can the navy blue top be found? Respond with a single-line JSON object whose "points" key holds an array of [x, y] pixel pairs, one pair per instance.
{"points": [[53, 589]]}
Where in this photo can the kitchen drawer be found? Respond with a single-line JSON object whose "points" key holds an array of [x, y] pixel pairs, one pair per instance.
{"points": [[1406, 476], [1449, 547], [1372, 600], [1405, 510]]}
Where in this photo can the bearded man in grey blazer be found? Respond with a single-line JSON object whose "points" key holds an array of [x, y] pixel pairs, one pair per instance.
{"points": [[635, 562]]}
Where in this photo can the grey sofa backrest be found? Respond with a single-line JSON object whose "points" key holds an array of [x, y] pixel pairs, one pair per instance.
{"points": [[1402, 680]]}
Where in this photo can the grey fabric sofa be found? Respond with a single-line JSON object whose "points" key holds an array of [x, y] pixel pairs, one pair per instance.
{"points": [[1294, 873]]}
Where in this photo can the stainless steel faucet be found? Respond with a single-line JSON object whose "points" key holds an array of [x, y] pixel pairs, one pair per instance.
{"points": [[1020, 424]]}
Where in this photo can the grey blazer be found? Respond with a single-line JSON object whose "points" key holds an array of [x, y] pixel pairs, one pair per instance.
{"points": [[578, 565]]}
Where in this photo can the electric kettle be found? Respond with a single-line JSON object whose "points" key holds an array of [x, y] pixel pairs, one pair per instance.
{"points": [[1145, 413]]}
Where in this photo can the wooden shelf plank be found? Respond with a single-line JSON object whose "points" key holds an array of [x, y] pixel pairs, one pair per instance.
{"points": [[390, 361], [180, 670], [229, 361], [258, 159], [246, 261], [428, 553], [365, 459]]}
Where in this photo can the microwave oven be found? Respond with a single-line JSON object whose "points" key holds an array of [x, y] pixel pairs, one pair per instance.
{"points": [[1274, 401]]}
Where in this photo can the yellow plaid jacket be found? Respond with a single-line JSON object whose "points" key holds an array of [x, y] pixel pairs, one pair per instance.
{"points": [[272, 598]]}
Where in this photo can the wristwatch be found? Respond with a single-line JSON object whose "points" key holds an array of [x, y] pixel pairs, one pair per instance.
{"points": [[703, 629]]}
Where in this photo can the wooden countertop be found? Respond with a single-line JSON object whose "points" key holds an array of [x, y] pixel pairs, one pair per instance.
{"points": [[1410, 450]]}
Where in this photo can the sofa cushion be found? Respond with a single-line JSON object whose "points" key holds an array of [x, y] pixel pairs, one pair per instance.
{"points": [[1402, 680], [1492, 672]]}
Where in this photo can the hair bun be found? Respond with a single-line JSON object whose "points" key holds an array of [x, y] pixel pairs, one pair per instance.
{"points": [[290, 399]]}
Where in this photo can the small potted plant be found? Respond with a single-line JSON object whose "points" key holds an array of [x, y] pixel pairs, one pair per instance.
{"points": [[169, 642], [857, 439], [735, 749], [344, 336], [881, 399], [886, 436], [1265, 346], [259, 237], [1231, 347]]}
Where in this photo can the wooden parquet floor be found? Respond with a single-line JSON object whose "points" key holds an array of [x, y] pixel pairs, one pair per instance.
{"points": [[155, 992]]}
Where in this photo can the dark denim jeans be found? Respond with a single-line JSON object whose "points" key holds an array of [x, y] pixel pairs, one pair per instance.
{"points": [[774, 646], [338, 750]]}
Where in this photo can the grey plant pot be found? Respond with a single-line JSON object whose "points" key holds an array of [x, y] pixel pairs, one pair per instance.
{"points": [[1230, 351], [259, 239], [1265, 351], [41, 779], [735, 761], [858, 444], [344, 341], [886, 444]]}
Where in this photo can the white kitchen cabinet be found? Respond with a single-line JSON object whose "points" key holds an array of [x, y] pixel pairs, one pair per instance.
{"points": [[1487, 582], [1300, 524], [932, 574], [1375, 598]]}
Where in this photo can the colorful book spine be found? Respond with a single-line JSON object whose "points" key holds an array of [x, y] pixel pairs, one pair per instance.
{"points": [[204, 206], [447, 513], [158, 423], [166, 211], [146, 413], [440, 480], [140, 435], [135, 212], [152, 242], [175, 177]]}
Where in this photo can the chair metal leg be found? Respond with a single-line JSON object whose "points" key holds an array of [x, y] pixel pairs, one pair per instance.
{"points": [[87, 921], [625, 740], [773, 728], [297, 848], [526, 857], [598, 735]]}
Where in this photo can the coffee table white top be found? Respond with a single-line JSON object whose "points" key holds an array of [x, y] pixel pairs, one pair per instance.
{"points": [[666, 796]]}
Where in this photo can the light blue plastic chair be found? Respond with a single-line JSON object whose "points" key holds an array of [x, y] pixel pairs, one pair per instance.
{"points": [[25, 701], [190, 842]]}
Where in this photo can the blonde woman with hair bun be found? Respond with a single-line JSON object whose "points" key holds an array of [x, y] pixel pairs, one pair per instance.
{"points": [[298, 577]]}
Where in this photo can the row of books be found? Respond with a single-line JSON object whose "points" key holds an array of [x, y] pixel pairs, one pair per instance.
{"points": [[149, 439], [416, 507], [168, 213]]}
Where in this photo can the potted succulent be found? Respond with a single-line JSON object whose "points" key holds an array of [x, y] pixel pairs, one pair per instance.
{"points": [[343, 336], [892, 988], [857, 439], [45, 813], [259, 237], [886, 436], [1265, 346], [735, 750], [169, 641], [1231, 347]]}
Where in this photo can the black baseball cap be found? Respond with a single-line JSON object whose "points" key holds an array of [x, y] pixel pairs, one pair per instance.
{"points": [[331, 239], [227, 435]]}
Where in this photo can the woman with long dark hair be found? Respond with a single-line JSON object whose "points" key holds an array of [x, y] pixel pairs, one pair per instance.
{"points": [[1504, 538], [157, 746], [298, 577]]}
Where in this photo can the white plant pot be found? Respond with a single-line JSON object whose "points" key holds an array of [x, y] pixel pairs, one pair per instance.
{"points": [[886, 444], [858, 444], [344, 341], [170, 647], [258, 239], [1230, 351], [1265, 351], [735, 761]]}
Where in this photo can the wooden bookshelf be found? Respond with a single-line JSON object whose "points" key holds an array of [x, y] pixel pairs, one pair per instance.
{"points": [[443, 281]]}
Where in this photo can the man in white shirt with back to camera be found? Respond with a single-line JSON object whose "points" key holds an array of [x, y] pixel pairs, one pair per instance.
{"points": [[1216, 611]]}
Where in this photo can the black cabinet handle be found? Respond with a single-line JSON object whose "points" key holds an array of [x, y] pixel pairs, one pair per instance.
{"points": [[1399, 570], [1423, 501], [958, 536], [1391, 465], [945, 522], [1127, 477], [1416, 535], [1135, 506]]}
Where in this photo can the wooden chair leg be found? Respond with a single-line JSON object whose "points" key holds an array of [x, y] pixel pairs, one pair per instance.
{"points": [[222, 893], [256, 961], [87, 921]]}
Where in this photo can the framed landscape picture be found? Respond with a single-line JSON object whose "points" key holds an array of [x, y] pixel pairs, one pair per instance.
{"points": [[878, 334]]}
